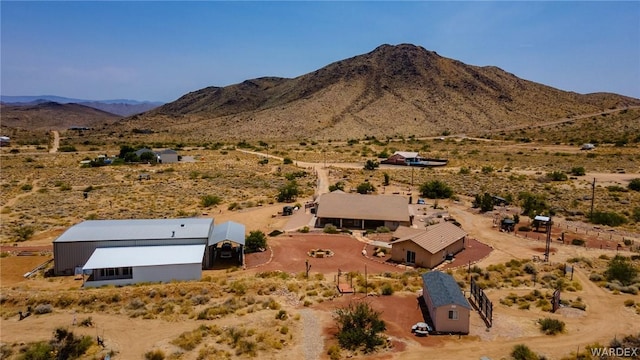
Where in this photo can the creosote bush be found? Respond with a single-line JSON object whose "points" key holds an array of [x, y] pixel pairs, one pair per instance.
{"points": [[551, 326]]}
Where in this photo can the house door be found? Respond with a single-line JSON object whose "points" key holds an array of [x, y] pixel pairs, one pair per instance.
{"points": [[411, 257]]}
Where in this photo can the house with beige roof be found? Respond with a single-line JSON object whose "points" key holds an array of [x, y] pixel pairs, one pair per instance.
{"points": [[430, 247], [357, 211]]}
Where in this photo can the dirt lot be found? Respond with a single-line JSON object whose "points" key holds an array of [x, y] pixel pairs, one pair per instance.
{"points": [[605, 317]]}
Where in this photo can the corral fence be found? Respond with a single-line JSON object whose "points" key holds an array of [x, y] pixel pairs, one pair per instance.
{"points": [[482, 303]]}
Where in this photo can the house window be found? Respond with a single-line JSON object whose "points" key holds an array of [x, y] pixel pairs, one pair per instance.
{"points": [[411, 257], [116, 273], [453, 315]]}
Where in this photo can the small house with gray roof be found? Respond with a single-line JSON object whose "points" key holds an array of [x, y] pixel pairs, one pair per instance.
{"points": [[448, 309], [429, 247]]}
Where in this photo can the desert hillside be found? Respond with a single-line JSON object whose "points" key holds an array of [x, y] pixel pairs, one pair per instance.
{"points": [[393, 90], [54, 116]]}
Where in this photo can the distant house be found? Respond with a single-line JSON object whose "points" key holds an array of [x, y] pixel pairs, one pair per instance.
{"points": [[130, 251], [5, 141], [413, 159], [587, 147], [167, 156], [403, 158], [358, 211], [430, 247], [447, 306]]}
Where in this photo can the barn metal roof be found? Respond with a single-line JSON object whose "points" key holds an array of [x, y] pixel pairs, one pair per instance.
{"points": [[443, 289], [135, 256], [141, 229], [365, 207], [229, 230], [435, 237]]}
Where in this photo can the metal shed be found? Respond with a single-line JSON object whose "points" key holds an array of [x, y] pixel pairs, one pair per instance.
{"points": [[76, 245]]}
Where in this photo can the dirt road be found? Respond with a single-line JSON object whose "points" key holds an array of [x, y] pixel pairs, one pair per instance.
{"points": [[56, 142]]}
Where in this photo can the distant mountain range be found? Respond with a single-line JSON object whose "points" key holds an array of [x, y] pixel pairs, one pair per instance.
{"points": [[122, 107], [394, 90]]}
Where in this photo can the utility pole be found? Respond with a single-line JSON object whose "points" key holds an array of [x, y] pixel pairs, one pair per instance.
{"points": [[593, 197]]}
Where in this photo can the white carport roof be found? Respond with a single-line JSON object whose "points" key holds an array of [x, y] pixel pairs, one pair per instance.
{"points": [[116, 257], [229, 230]]}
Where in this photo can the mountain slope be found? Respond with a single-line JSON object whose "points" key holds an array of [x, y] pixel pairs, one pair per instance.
{"points": [[122, 107], [393, 90], [54, 116]]}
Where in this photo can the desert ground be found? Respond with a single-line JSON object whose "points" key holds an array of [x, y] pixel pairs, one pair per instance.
{"points": [[136, 320]]}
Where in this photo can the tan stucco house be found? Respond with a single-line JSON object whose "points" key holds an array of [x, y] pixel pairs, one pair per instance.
{"points": [[357, 211], [429, 247]]}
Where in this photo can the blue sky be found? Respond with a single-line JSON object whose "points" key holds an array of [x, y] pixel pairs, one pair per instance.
{"points": [[161, 50]]}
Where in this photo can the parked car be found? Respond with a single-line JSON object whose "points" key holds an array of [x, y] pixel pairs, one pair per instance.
{"points": [[226, 250], [421, 329]]}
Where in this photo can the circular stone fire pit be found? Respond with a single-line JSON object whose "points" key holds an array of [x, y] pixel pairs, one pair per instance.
{"points": [[320, 253]]}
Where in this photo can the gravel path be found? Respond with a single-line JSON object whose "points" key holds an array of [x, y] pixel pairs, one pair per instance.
{"points": [[312, 335]]}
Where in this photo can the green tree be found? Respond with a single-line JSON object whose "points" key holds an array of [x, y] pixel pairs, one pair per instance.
{"points": [[255, 241], [337, 186], [533, 204], [484, 202], [359, 326], [371, 165], [622, 269], [288, 192], [634, 184], [365, 188], [636, 214], [148, 156], [436, 189], [287, 161], [387, 178], [124, 150]]}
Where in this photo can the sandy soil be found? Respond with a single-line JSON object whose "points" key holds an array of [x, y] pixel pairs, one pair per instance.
{"points": [[605, 317]]}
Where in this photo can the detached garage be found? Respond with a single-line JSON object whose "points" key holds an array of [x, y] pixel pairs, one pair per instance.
{"points": [[130, 265]]}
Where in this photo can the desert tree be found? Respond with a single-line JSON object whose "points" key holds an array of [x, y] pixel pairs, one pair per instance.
{"points": [[359, 326], [288, 192], [337, 186], [255, 241], [365, 188], [620, 268], [371, 165], [436, 189]]}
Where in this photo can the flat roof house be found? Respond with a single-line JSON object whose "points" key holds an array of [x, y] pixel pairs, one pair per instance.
{"points": [[358, 211], [429, 247], [447, 306], [140, 245]]}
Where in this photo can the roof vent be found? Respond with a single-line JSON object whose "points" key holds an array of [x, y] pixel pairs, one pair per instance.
{"points": [[181, 225], [173, 234]]}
